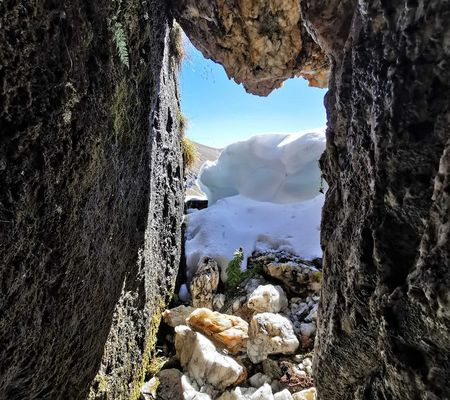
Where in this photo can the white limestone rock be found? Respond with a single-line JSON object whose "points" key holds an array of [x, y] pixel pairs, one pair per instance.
{"points": [[270, 334], [218, 302], [199, 357], [307, 394], [191, 391], [268, 298], [283, 395], [263, 393]]}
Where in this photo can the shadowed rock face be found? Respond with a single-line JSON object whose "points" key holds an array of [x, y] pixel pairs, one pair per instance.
{"points": [[384, 323], [91, 195], [384, 330], [259, 43]]}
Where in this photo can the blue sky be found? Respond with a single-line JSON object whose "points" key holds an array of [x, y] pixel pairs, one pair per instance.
{"points": [[220, 112]]}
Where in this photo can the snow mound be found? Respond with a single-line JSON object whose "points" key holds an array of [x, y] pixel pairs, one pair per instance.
{"points": [[277, 168], [233, 222]]}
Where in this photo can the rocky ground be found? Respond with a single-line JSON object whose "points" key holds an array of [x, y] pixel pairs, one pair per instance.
{"points": [[243, 340]]}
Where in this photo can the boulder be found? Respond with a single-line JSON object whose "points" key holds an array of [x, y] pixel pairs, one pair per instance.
{"points": [[297, 277], [268, 298], [177, 316], [226, 331], [199, 357], [204, 283], [270, 334]]}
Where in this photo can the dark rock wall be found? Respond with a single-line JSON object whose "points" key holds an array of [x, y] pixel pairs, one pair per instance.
{"points": [[91, 194], [384, 327]]}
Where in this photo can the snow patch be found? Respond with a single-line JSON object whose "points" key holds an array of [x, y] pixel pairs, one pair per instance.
{"points": [[278, 168], [233, 222]]}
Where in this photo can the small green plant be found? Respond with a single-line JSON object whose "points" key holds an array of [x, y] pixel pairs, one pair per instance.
{"points": [[317, 276], [234, 274], [190, 152], [121, 44], [176, 44]]}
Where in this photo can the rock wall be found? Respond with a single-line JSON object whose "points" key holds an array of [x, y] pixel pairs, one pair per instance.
{"points": [[91, 194], [384, 328], [384, 318]]}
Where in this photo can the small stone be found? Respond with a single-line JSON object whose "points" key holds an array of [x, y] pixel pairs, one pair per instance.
{"points": [[307, 362], [275, 385], [268, 298], [263, 393], [308, 329], [177, 316], [270, 334], [312, 316], [226, 331], [204, 283], [272, 369], [170, 387], [259, 379], [283, 395], [218, 301], [199, 357], [148, 390], [307, 394], [191, 391]]}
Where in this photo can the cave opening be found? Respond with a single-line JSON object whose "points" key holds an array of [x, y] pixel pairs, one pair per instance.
{"points": [[251, 246]]}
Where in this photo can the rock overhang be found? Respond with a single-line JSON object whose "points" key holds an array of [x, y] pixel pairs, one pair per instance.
{"points": [[259, 44]]}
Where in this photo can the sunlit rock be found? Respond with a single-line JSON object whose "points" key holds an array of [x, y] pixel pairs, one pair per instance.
{"points": [[270, 334], [199, 357], [226, 331], [268, 298]]}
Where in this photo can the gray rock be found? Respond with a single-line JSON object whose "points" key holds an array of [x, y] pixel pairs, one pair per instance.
{"points": [[204, 283]]}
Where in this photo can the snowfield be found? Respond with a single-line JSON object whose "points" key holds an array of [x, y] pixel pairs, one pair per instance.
{"points": [[263, 194]]}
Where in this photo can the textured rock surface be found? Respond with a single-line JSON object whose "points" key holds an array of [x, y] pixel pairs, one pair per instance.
{"points": [[259, 43], [177, 316], [226, 331], [204, 283], [270, 334], [384, 330], [90, 199], [203, 362], [299, 278], [170, 385], [268, 298]]}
